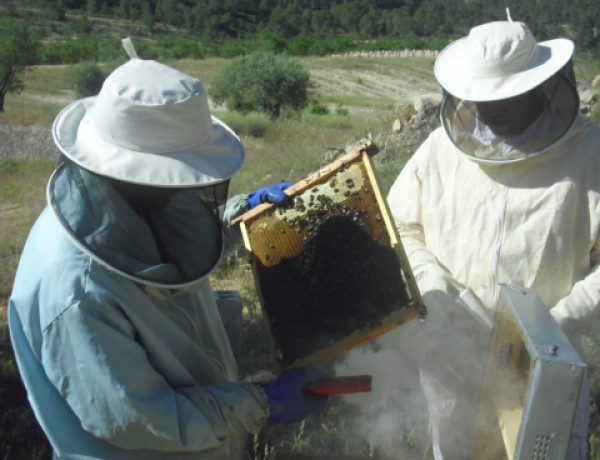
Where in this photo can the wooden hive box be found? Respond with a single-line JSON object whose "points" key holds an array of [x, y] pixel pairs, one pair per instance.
{"points": [[330, 270]]}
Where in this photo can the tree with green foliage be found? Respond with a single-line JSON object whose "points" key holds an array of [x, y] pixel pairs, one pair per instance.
{"points": [[262, 82], [295, 27], [18, 48]]}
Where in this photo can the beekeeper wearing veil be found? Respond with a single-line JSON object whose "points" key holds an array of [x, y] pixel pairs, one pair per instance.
{"points": [[114, 325], [507, 190]]}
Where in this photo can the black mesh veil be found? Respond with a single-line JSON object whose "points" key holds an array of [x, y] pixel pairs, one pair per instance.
{"points": [[186, 224], [214, 196], [468, 130]]}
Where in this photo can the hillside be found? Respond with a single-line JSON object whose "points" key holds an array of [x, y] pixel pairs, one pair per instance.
{"points": [[72, 31], [361, 84]]}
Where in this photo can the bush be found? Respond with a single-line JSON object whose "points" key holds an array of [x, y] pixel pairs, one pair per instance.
{"points": [[181, 48], [319, 110], [87, 79], [262, 82], [250, 124], [69, 51]]}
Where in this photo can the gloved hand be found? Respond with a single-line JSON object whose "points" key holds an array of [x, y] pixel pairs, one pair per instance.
{"points": [[269, 194], [287, 402]]}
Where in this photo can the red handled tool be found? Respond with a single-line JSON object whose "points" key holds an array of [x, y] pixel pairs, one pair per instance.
{"points": [[330, 386]]}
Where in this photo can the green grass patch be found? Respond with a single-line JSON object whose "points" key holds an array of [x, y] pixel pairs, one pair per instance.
{"points": [[357, 100], [203, 69], [294, 146], [251, 124], [29, 110], [51, 80], [595, 116], [384, 66], [388, 172], [17, 179], [318, 110], [586, 65], [22, 197]]}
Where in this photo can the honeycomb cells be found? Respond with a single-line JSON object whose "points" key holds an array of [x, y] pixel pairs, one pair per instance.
{"points": [[325, 265]]}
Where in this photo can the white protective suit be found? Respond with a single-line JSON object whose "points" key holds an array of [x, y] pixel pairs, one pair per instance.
{"points": [[466, 224], [115, 366]]}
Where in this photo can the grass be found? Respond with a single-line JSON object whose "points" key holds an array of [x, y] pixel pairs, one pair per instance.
{"points": [[254, 125], [586, 65], [22, 198], [380, 65], [356, 100], [293, 147]]}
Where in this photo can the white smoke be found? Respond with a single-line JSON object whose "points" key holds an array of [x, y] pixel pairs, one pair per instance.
{"points": [[393, 416], [396, 408]]}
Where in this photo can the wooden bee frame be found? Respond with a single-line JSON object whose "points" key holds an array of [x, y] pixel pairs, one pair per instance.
{"points": [[330, 270]]}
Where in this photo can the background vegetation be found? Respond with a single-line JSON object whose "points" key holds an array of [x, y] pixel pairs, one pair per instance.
{"points": [[262, 82], [74, 30]]}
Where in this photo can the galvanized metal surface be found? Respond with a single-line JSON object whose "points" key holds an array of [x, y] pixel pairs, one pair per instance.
{"points": [[532, 383]]}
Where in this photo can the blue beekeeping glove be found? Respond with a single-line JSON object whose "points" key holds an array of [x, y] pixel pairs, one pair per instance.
{"points": [[287, 401], [269, 194]]}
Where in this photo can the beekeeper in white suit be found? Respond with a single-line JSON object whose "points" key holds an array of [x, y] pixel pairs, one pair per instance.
{"points": [[112, 319], [506, 191]]}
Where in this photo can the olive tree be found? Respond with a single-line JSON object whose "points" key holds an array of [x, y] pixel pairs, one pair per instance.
{"points": [[262, 82], [18, 49]]}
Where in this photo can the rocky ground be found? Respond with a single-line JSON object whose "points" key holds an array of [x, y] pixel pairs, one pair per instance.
{"points": [[27, 142]]}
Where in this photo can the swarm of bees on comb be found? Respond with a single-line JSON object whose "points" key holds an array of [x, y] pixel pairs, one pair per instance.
{"points": [[325, 264]]}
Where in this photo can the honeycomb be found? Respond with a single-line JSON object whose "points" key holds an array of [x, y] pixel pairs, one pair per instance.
{"points": [[329, 268]]}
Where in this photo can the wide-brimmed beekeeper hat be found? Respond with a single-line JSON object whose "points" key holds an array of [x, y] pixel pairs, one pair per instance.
{"points": [[149, 125], [499, 60]]}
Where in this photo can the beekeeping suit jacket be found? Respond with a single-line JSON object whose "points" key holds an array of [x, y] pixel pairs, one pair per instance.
{"points": [[468, 225], [116, 366]]}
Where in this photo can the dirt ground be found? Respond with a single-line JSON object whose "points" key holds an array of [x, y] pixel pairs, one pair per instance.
{"points": [[373, 85], [382, 78]]}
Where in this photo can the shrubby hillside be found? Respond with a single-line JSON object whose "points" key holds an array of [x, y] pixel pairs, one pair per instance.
{"points": [[74, 30]]}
